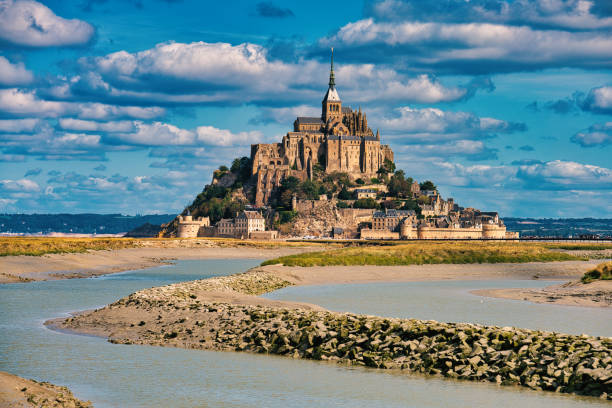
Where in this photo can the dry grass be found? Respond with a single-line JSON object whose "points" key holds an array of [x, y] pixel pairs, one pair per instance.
{"points": [[603, 271], [36, 246], [418, 253], [234, 243]]}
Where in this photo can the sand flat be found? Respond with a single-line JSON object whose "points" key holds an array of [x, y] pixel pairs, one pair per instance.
{"points": [[93, 263]]}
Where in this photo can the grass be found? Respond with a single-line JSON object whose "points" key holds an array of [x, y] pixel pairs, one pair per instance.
{"points": [[580, 247], [36, 246], [603, 271], [419, 253]]}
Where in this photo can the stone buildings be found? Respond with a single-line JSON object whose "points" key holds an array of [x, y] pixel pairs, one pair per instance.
{"points": [[365, 193], [247, 224], [468, 224], [189, 227], [243, 226], [337, 141]]}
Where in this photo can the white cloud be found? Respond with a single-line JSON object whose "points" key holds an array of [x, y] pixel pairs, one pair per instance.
{"points": [[92, 126], [30, 23], [157, 134], [285, 115], [25, 103], [14, 74], [427, 125], [596, 135], [199, 73], [220, 137], [566, 174], [474, 46], [78, 140], [18, 186], [99, 111], [470, 149], [19, 125], [455, 174], [599, 100], [573, 14], [17, 102], [164, 134]]}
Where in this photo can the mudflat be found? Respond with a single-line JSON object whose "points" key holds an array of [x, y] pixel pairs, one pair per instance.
{"points": [[575, 293], [226, 313], [18, 392], [319, 275], [93, 263]]}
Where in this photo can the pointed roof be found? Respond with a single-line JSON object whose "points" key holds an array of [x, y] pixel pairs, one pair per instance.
{"points": [[332, 94]]}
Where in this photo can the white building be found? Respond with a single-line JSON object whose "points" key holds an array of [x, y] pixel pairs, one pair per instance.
{"points": [[249, 221]]}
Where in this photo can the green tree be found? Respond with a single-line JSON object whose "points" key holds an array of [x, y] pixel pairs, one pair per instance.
{"points": [[366, 203], [427, 186], [424, 200], [342, 204], [344, 194], [310, 190], [398, 186]]}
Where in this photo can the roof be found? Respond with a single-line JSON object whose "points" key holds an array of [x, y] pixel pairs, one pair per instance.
{"points": [[331, 95], [390, 213], [306, 119], [250, 214]]}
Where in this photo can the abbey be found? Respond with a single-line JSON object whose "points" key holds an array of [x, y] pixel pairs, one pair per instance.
{"points": [[338, 141]]}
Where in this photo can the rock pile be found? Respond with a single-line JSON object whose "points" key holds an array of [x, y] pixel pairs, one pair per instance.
{"points": [[536, 359]]}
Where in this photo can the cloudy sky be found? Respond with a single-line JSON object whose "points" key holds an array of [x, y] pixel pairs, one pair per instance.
{"points": [[128, 105]]}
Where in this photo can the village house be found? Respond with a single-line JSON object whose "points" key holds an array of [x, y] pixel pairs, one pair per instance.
{"points": [[365, 193]]}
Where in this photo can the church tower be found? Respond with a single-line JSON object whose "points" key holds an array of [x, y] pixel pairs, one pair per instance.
{"points": [[332, 105]]}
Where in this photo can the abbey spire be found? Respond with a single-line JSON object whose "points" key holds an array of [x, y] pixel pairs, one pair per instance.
{"points": [[332, 105], [332, 78]]}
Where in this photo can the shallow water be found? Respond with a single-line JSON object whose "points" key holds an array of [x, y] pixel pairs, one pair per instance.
{"points": [[142, 376], [451, 301]]}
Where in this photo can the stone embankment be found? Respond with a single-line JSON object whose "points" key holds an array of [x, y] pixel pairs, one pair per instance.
{"points": [[181, 315]]}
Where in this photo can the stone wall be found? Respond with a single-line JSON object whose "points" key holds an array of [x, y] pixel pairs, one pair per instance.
{"points": [[367, 233], [263, 235], [189, 227], [448, 233], [493, 231]]}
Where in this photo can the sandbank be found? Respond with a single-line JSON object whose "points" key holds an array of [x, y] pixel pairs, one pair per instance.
{"points": [[19, 392], [575, 293], [94, 263]]}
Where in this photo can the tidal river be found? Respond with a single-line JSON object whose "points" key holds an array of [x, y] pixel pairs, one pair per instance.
{"points": [[143, 376]]}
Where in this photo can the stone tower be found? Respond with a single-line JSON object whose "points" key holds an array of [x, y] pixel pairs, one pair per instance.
{"points": [[332, 105]]}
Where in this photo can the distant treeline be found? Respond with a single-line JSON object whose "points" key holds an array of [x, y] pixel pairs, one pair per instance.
{"points": [[77, 223], [561, 227]]}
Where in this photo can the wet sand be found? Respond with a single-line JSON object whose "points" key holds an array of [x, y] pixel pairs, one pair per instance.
{"points": [[94, 263], [575, 293], [19, 392]]}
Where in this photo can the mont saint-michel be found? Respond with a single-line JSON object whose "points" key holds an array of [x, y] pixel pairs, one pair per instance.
{"points": [[291, 204], [338, 141], [330, 177]]}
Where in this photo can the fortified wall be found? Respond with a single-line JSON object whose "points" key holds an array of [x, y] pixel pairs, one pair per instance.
{"points": [[189, 227]]}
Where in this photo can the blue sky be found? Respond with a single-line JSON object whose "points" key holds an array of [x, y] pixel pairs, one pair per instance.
{"points": [[127, 106]]}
